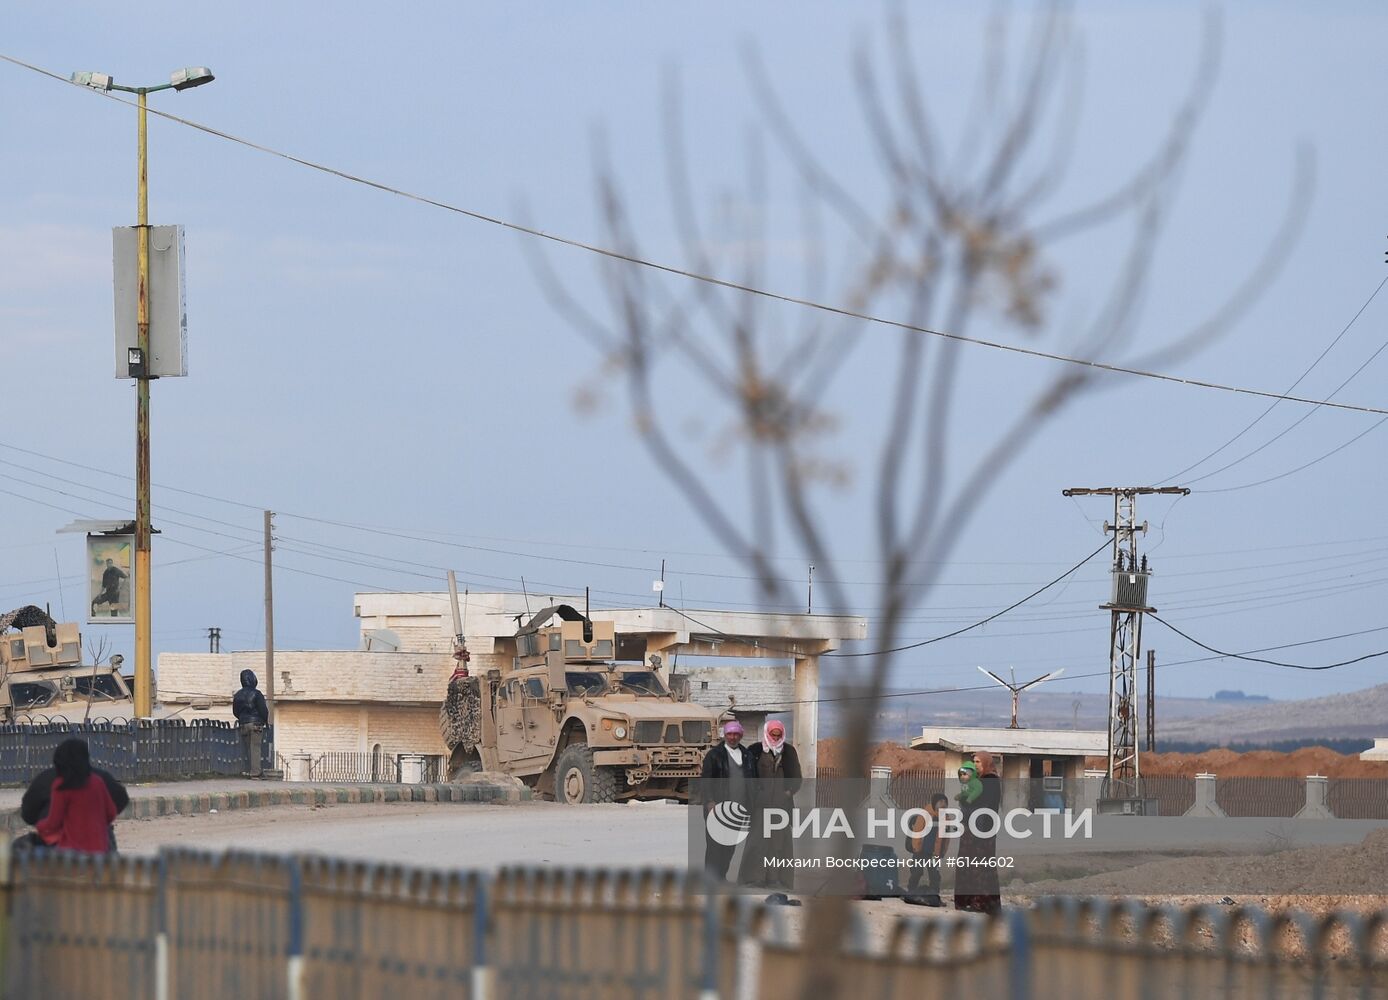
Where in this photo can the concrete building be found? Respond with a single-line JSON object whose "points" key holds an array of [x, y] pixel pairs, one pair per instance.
{"points": [[751, 693], [1053, 760], [384, 698]]}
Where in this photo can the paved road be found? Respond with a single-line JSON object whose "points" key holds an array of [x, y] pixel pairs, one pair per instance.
{"points": [[443, 835]]}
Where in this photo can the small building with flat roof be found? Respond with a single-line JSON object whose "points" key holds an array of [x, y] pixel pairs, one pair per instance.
{"points": [[1040, 768]]}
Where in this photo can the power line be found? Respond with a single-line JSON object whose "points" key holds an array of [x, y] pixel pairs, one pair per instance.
{"points": [[1274, 404], [671, 269], [1093, 673], [1273, 663], [925, 642], [1315, 461]]}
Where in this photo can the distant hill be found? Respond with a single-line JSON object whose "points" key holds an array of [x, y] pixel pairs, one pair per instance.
{"points": [[1352, 715]]}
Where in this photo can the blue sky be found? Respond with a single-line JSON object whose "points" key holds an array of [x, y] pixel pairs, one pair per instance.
{"points": [[359, 358]]}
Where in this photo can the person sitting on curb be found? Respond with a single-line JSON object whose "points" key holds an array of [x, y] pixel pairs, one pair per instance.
{"points": [[81, 809], [38, 797]]}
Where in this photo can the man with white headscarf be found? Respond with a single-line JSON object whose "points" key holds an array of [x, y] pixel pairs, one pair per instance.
{"points": [[725, 778], [776, 778]]}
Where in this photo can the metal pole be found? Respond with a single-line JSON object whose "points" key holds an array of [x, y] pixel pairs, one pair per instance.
{"points": [[269, 622], [1151, 701], [144, 675], [453, 600]]}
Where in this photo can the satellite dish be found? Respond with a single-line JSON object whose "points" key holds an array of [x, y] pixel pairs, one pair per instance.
{"points": [[381, 640]]}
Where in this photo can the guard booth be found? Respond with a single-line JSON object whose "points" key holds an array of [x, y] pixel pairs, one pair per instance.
{"points": [[1040, 768]]}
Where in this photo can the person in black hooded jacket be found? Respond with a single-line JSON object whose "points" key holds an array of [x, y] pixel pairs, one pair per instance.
{"points": [[248, 705]]}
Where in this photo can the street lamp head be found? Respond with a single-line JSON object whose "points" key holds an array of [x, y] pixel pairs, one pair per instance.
{"points": [[97, 81], [190, 76]]}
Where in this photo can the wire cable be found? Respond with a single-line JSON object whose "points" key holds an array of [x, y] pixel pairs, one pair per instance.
{"points": [[925, 642], [1274, 404], [1273, 663], [608, 252]]}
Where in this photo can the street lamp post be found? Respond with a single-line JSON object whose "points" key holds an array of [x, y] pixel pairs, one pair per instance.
{"points": [[183, 79]]}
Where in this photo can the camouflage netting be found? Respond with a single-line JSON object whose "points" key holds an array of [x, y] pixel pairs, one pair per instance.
{"points": [[25, 617], [460, 719]]}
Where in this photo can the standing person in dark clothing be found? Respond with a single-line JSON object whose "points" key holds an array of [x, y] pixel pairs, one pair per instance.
{"points": [[248, 705], [976, 879], [777, 778], [81, 809], [38, 798], [111, 577], [723, 782]]}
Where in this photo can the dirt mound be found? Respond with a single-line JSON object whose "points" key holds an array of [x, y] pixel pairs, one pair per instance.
{"points": [[1265, 764], [1223, 762], [893, 755]]}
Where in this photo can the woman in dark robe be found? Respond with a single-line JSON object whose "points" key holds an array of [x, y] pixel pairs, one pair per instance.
{"points": [[976, 879], [777, 779]]}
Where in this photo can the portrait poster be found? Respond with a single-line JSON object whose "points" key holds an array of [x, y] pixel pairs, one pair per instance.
{"points": [[110, 578]]}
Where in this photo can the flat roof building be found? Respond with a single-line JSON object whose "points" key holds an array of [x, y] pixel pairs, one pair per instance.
{"points": [[1039, 767]]}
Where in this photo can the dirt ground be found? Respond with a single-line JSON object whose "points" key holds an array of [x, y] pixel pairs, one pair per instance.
{"points": [[1225, 763]]}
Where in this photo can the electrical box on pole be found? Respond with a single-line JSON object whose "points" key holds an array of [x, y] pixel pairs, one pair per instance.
{"points": [[1128, 601]]}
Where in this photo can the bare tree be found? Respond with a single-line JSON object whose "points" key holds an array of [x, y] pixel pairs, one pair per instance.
{"points": [[964, 233], [98, 651]]}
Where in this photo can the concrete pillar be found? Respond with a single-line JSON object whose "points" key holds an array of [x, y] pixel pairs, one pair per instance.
{"points": [[805, 718], [1015, 772], [1317, 799], [879, 800], [1093, 789], [300, 766], [412, 769], [953, 758], [1205, 804]]}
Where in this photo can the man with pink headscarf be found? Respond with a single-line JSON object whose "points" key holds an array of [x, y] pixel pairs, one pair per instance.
{"points": [[776, 779], [725, 777]]}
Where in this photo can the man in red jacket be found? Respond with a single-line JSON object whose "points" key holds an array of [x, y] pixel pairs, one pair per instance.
{"points": [[80, 814]]}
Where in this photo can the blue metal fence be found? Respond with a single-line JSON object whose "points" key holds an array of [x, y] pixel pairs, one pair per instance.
{"points": [[202, 926], [143, 750]]}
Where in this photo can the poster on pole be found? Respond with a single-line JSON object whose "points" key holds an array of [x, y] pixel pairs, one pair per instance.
{"points": [[110, 578]]}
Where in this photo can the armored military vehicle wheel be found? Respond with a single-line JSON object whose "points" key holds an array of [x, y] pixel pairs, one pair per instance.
{"points": [[462, 763], [577, 779]]}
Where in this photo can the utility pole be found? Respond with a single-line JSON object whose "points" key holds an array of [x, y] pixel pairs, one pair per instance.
{"points": [[1151, 701], [1123, 781], [809, 593], [142, 368], [270, 618], [214, 640]]}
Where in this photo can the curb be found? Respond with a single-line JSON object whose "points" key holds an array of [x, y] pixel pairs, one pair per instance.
{"points": [[154, 806]]}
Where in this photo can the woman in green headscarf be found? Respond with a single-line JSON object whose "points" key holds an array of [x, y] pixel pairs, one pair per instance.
{"points": [[976, 881]]}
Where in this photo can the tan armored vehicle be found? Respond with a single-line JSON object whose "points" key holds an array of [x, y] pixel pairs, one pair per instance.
{"points": [[574, 722], [41, 672]]}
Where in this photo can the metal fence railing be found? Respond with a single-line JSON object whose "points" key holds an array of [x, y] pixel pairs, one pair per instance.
{"points": [[351, 767], [144, 750], [1261, 796], [1175, 793], [207, 927], [1358, 798]]}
